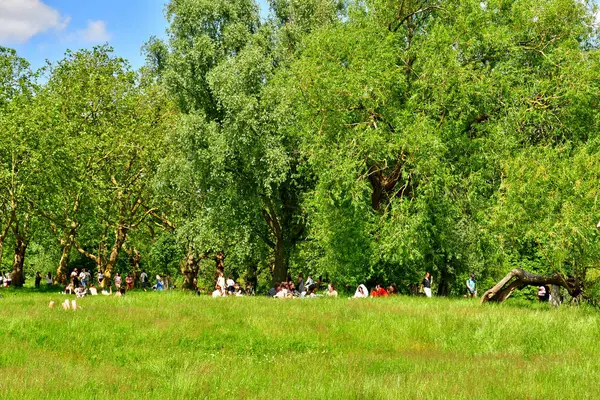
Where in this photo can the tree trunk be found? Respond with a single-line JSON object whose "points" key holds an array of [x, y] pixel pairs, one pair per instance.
{"points": [[555, 296], [121, 236], [189, 270], [134, 259], [220, 261], [444, 285], [280, 269], [18, 277], [518, 279], [62, 272]]}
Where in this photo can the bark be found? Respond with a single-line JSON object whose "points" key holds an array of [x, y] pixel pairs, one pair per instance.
{"points": [[280, 267], [134, 259], [280, 270], [220, 261], [98, 259], [519, 278], [121, 236], [444, 285], [189, 269], [384, 186], [555, 296], [3, 235], [62, 272], [18, 278]]}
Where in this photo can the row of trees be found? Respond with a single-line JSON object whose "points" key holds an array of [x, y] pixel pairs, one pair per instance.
{"points": [[368, 140]]}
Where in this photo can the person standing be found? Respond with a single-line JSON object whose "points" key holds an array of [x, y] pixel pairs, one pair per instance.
{"points": [[83, 277], [144, 280], [300, 282], [100, 277], [38, 279], [221, 281], [118, 281], [471, 286], [426, 284], [129, 282], [49, 279]]}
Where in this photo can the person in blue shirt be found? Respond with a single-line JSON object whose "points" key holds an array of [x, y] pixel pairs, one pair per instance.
{"points": [[471, 286]]}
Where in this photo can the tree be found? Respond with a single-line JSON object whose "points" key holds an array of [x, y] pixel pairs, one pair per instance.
{"points": [[243, 181], [407, 111]]}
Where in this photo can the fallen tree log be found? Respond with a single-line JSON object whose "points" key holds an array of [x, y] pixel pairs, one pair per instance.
{"points": [[519, 278]]}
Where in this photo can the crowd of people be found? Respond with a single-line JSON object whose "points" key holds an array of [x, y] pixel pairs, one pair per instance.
{"points": [[81, 284]]}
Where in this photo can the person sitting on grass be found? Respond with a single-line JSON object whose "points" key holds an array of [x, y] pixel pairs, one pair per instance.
{"points": [[541, 294], [361, 292], [310, 284], [300, 283], [379, 291], [230, 284], [159, 283], [392, 289], [281, 292], [331, 292], [238, 291], [107, 293], [69, 289], [80, 291], [120, 292], [93, 291], [218, 291]]}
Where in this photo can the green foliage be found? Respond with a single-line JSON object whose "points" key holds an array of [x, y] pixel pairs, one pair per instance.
{"points": [[370, 141]]}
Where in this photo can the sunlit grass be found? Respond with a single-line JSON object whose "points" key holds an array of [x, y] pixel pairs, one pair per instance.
{"points": [[172, 345]]}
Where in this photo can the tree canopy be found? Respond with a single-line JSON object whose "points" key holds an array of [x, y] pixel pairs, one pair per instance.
{"points": [[366, 141]]}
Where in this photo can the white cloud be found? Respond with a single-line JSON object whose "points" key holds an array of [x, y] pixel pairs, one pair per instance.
{"points": [[20, 20], [95, 32]]}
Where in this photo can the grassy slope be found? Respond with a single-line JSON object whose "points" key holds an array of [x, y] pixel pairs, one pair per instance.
{"points": [[169, 345]]}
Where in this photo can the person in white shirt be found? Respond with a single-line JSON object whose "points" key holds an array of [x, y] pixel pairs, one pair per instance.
{"points": [[331, 292], [221, 282], [83, 277], [230, 285], [361, 292], [218, 292]]}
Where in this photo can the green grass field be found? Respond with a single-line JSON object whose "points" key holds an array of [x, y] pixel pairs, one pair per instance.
{"points": [[172, 345]]}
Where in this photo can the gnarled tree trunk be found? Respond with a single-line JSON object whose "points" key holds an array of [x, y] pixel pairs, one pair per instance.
{"points": [[189, 269], [18, 277], [519, 278]]}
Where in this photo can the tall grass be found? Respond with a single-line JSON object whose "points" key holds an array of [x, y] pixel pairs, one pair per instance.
{"points": [[173, 345]]}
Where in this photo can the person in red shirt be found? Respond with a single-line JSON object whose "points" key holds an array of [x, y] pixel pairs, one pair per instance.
{"points": [[129, 282], [379, 291]]}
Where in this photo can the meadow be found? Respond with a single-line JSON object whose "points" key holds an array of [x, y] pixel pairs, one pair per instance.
{"points": [[175, 345]]}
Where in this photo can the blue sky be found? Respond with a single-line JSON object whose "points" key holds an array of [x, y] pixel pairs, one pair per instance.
{"points": [[44, 29]]}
